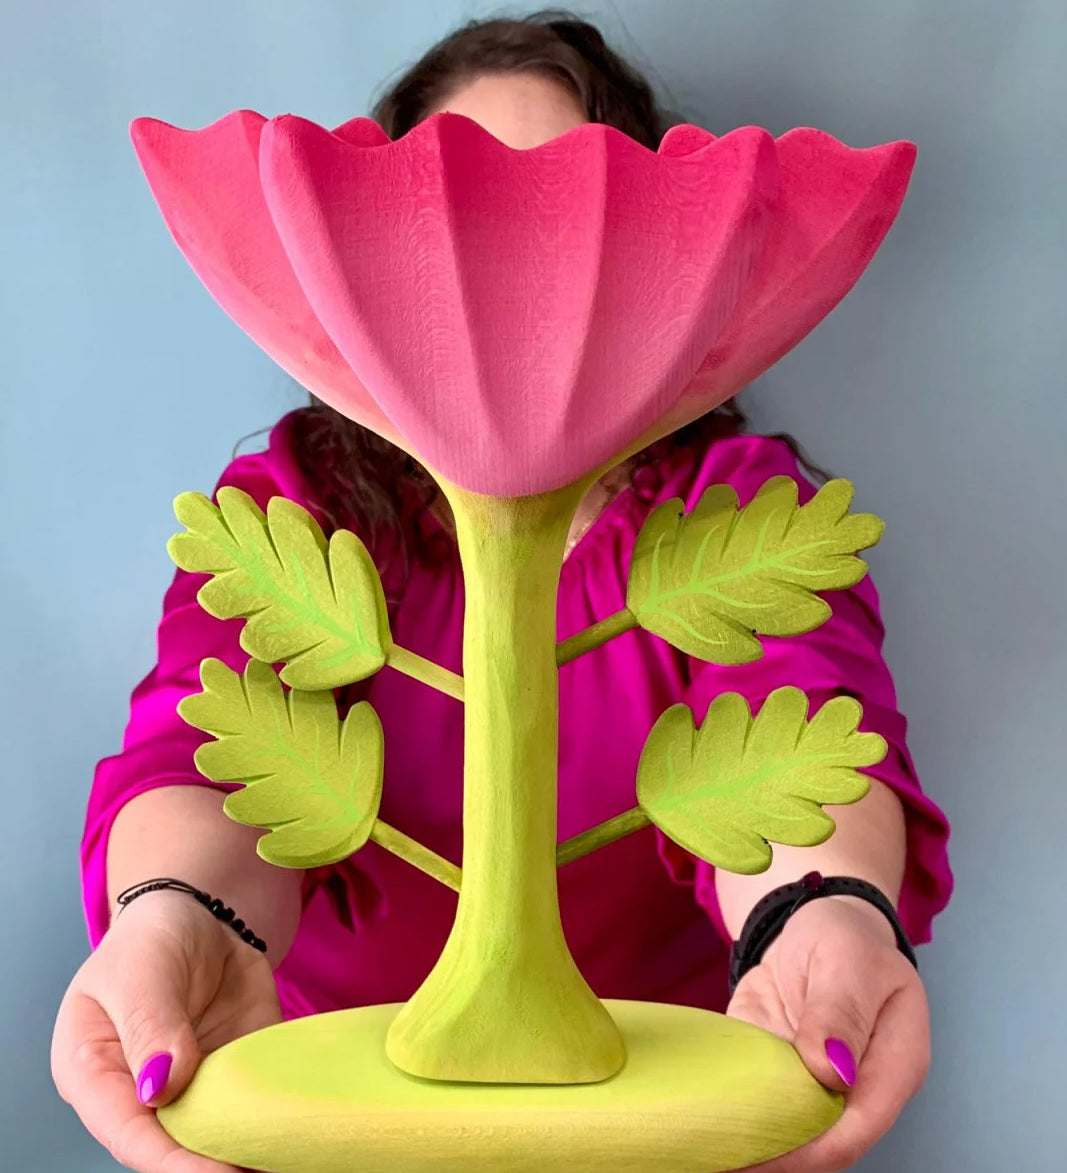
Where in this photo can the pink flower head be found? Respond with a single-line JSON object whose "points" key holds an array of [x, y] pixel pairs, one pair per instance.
{"points": [[518, 318]]}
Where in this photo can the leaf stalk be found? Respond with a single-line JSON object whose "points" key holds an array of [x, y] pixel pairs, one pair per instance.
{"points": [[595, 636], [601, 835], [426, 671], [414, 853]]}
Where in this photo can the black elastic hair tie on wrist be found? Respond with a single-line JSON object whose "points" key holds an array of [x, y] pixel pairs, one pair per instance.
{"points": [[768, 917], [215, 906]]}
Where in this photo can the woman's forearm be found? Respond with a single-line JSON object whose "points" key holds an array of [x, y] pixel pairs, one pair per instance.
{"points": [[182, 831], [869, 843]]}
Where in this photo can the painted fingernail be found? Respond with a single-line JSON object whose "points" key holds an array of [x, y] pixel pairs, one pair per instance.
{"points": [[841, 1060], [153, 1077]]}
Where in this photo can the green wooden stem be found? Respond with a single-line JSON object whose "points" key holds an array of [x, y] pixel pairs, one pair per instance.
{"points": [[601, 835], [421, 857], [505, 1002], [595, 636], [426, 671]]}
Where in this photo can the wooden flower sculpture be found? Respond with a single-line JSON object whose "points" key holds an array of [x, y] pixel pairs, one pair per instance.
{"points": [[521, 322]]}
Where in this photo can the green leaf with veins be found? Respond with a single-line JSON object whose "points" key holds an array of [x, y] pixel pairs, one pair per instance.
{"points": [[317, 606], [310, 778], [710, 581], [727, 790]]}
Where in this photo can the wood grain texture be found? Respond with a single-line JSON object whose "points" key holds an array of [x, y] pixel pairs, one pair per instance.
{"points": [[505, 1002], [700, 1093]]}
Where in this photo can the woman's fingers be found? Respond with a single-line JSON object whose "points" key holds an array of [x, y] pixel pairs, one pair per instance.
{"points": [[836, 1022], [834, 985], [91, 1074], [891, 1070]]}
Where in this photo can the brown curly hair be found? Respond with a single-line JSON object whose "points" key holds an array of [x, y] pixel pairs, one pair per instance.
{"points": [[359, 481]]}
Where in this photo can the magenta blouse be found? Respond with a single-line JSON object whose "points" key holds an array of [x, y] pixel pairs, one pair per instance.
{"points": [[641, 915]]}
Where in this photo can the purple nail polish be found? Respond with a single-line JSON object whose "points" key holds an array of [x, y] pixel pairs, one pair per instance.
{"points": [[841, 1060], [153, 1077]]}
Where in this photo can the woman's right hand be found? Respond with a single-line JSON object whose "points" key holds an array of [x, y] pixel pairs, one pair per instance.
{"points": [[168, 978]]}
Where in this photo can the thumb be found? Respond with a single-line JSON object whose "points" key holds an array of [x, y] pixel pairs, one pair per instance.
{"points": [[151, 1016], [833, 1031]]}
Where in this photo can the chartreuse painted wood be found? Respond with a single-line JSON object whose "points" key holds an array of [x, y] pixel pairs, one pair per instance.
{"points": [[700, 1093], [312, 780], [712, 581], [504, 1059], [505, 1001], [318, 605], [727, 791]]}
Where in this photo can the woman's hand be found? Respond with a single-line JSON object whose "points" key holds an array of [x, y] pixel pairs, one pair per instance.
{"points": [[835, 973], [167, 979]]}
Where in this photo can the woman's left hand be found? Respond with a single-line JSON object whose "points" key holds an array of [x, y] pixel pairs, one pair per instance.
{"points": [[835, 973]]}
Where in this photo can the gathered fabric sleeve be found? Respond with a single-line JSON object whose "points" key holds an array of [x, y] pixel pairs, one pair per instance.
{"points": [[843, 657], [158, 746]]}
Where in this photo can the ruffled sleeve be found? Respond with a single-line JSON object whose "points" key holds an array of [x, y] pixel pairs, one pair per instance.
{"points": [[158, 746], [843, 657]]}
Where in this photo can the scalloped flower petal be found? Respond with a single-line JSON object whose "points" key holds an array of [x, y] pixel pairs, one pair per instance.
{"points": [[835, 205], [519, 318], [510, 311], [207, 185]]}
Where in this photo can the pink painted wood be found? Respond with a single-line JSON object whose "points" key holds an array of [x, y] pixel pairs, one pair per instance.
{"points": [[518, 318]]}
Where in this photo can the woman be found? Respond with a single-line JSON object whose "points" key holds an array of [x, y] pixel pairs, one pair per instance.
{"points": [[167, 982]]}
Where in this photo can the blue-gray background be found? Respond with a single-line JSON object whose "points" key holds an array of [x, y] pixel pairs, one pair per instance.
{"points": [[937, 386]]}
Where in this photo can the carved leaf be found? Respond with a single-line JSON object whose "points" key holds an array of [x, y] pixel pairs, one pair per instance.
{"points": [[317, 606], [726, 790], [310, 778], [709, 582]]}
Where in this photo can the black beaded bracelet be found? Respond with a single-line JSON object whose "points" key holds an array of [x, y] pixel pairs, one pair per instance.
{"points": [[215, 906], [768, 917]]}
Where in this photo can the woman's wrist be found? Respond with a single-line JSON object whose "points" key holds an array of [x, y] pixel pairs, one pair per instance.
{"points": [[875, 919], [770, 917], [170, 911], [212, 904], [211, 852], [812, 918]]}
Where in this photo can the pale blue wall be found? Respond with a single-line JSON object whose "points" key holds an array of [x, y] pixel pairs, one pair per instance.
{"points": [[938, 386]]}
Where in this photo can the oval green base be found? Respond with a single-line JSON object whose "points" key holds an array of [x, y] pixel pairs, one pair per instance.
{"points": [[700, 1093]]}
